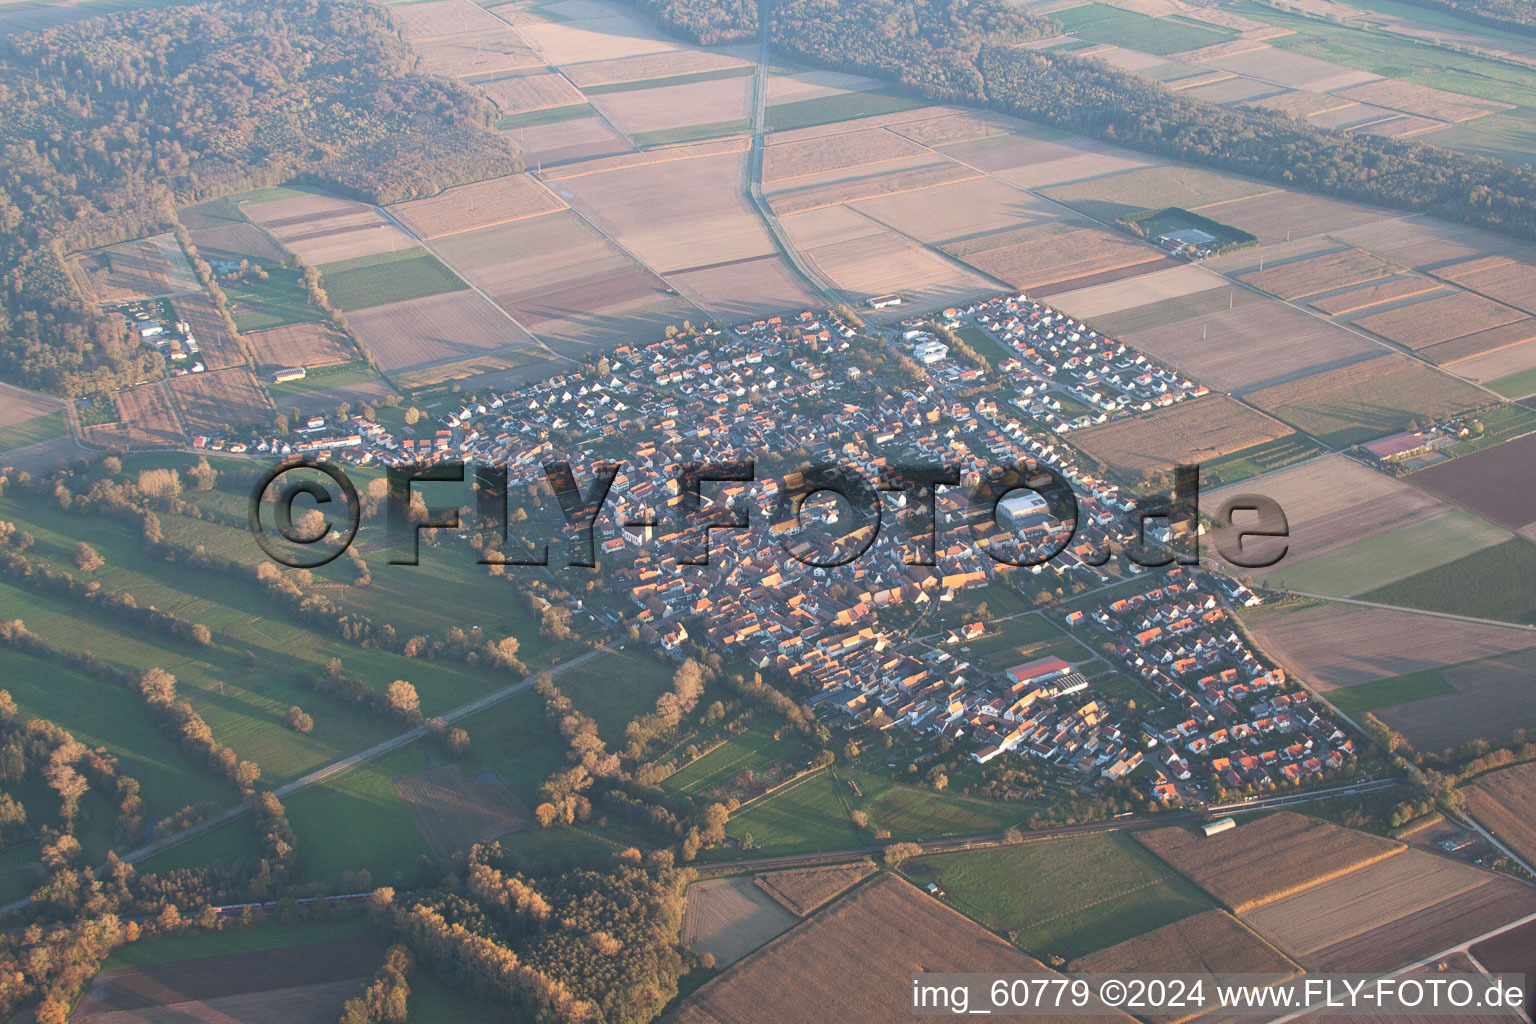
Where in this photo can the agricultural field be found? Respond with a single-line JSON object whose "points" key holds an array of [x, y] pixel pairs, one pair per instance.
{"points": [[1064, 897], [1280, 216], [671, 107], [1487, 703], [519, 94], [1361, 297], [479, 205], [835, 108], [802, 891], [1313, 274], [1267, 858], [1112, 196], [323, 389], [1304, 922], [219, 349], [1504, 802], [453, 812], [1213, 942], [367, 281], [1512, 951], [848, 151], [853, 960], [1368, 399], [641, 677], [1498, 277], [145, 419], [1429, 931], [1332, 646], [561, 142], [628, 71], [1140, 446], [136, 270], [730, 917], [28, 418], [237, 238], [746, 289], [897, 182], [1481, 585], [1260, 459], [1506, 345], [1172, 286], [1101, 23], [595, 31], [750, 750], [469, 55], [1493, 482], [862, 259], [278, 301], [435, 329], [1431, 321], [1057, 256], [322, 229], [307, 345], [947, 213], [210, 401], [269, 986], [433, 19]]}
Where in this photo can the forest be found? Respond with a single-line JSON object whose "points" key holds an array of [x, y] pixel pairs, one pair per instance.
{"points": [[967, 51], [113, 121]]}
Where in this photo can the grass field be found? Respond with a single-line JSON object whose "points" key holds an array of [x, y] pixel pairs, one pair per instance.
{"points": [[690, 133], [550, 115], [617, 689], [433, 1002], [278, 301], [1066, 896], [841, 106], [814, 814], [230, 940], [33, 431], [386, 277], [1516, 385], [1386, 693], [1492, 584], [1102, 24], [752, 749], [1262, 458]]}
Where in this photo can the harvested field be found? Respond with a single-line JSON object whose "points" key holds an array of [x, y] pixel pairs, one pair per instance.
{"points": [[1498, 277], [237, 238], [1301, 102], [307, 345], [1030, 258], [1504, 803], [1279, 216], [585, 138], [650, 66], [1365, 400], [597, 38], [802, 890], [1319, 273], [1155, 442], [730, 917], [1330, 645], [1489, 368], [916, 179], [1146, 289], [855, 961], [482, 204], [1334, 503], [1264, 860], [717, 224], [1429, 931], [18, 406], [322, 229], [807, 85], [1423, 100], [437, 328], [1058, 157], [517, 94], [145, 420], [453, 813], [135, 270], [433, 18], [1294, 70], [677, 106], [836, 153], [275, 986], [955, 211], [962, 126], [1490, 702], [647, 158], [480, 52], [745, 289], [218, 348], [1513, 952], [1304, 922], [863, 258], [1432, 321], [1422, 244], [1151, 188], [209, 401], [1495, 339], [1495, 482], [1368, 295], [1213, 942]]}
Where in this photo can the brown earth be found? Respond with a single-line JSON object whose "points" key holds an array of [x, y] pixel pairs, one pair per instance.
{"points": [[209, 401], [802, 890]]}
